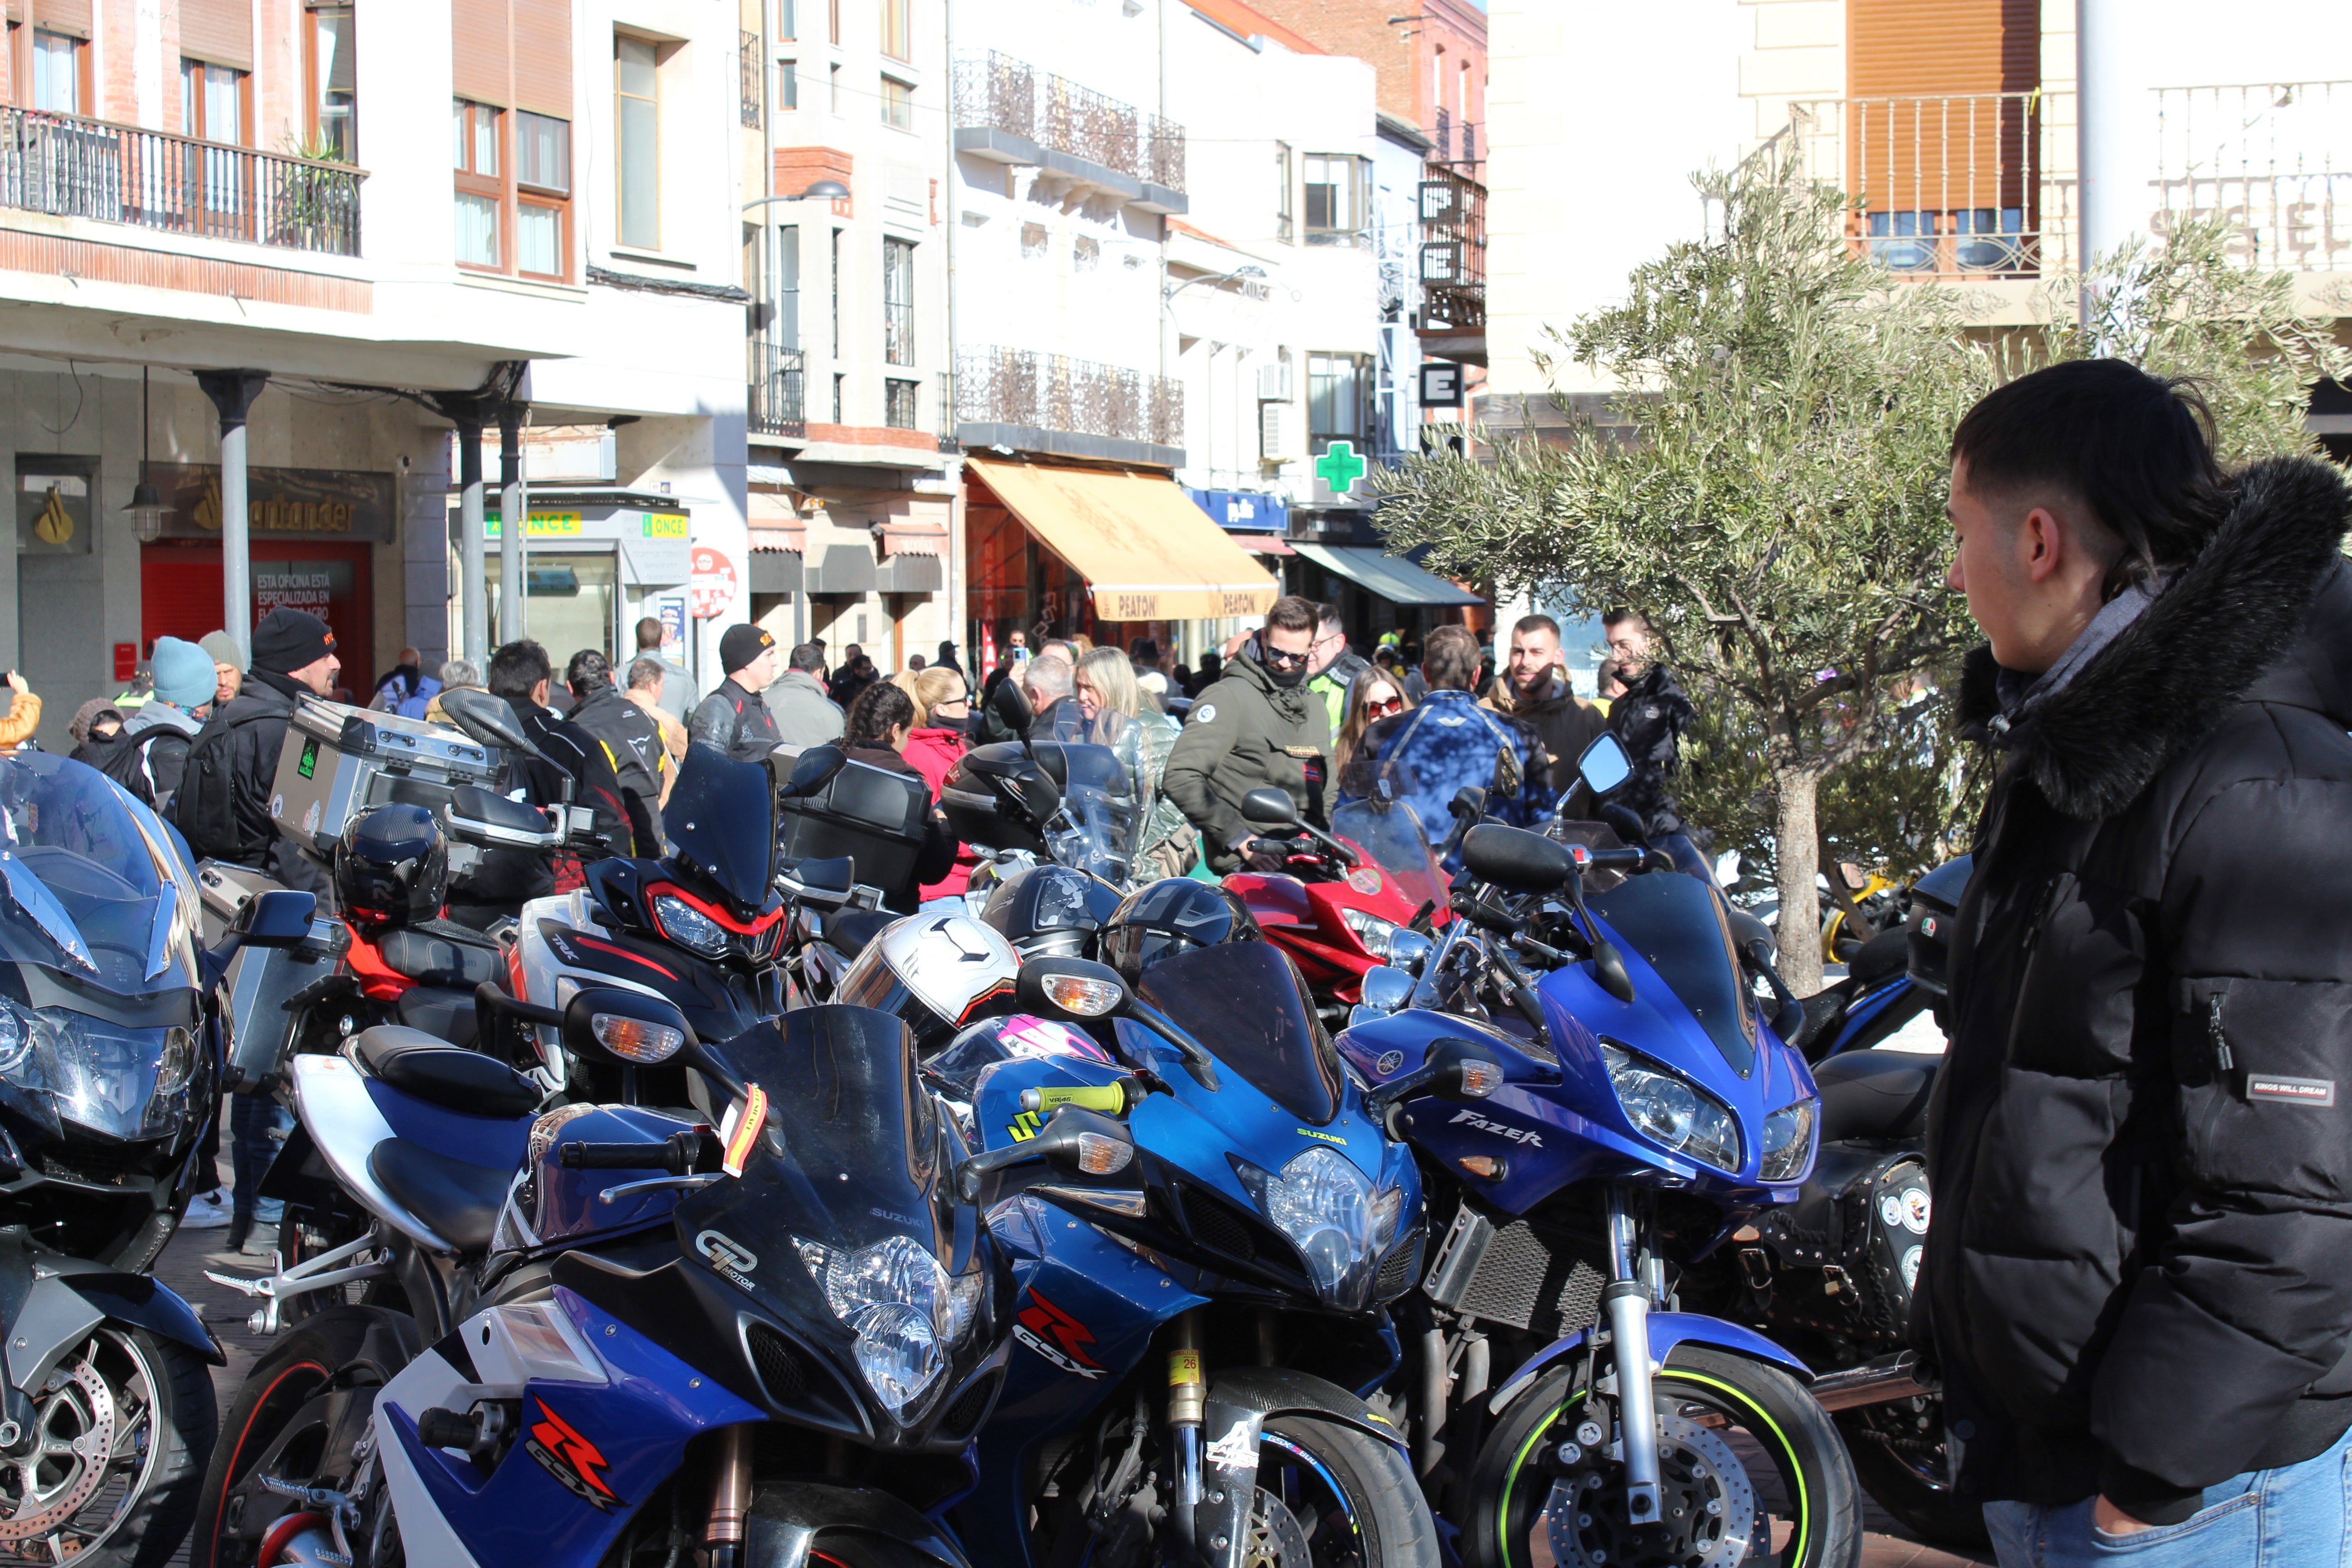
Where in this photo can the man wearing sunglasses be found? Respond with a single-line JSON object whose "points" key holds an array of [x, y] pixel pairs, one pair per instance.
{"points": [[1534, 687], [1257, 726]]}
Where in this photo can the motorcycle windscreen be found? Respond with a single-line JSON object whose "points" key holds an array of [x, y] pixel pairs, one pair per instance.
{"points": [[1384, 828], [1246, 1003], [722, 815], [88, 888], [1677, 924], [1096, 830]]}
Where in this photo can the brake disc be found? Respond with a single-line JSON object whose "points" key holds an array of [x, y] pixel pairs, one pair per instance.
{"points": [[1275, 1537], [1706, 1503], [74, 1428]]}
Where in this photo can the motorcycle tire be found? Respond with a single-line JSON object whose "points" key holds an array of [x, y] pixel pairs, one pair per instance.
{"points": [[278, 1395], [1908, 1488], [143, 1520], [1744, 1451]]}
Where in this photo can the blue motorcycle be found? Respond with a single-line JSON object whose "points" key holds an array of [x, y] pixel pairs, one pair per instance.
{"points": [[1564, 1409], [1196, 1355]]}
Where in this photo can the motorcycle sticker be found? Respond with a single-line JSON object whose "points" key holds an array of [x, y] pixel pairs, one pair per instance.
{"points": [[730, 1257], [745, 1120], [1389, 1061], [1236, 1450], [1023, 1126], [1364, 879], [1515, 1134], [575, 1462], [1070, 1337]]}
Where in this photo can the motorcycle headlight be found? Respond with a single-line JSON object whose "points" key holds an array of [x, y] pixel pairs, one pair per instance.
{"points": [[689, 927], [1333, 1215], [1664, 1109], [126, 1082], [1788, 1134], [898, 1300], [1374, 932]]}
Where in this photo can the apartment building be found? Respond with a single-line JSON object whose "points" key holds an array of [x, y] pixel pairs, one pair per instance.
{"points": [[262, 260], [852, 434]]}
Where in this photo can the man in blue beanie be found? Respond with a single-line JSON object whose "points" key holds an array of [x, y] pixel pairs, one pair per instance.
{"points": [[185, 687]]}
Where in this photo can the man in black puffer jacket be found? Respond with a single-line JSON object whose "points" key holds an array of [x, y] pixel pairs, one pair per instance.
{"points": [[2138, 1279]]}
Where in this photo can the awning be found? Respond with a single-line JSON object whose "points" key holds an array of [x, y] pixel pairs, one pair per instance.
{"points": [[914, 538], [1390, 577], [844, 569], [1259, 544], [1147, 552], [774, 571], [909, 574]]}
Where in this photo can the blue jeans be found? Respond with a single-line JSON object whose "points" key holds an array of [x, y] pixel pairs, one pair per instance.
{"points": [[2290, 1518], [252, 1118]]}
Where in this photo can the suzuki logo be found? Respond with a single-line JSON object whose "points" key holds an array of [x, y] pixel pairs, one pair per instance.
{"points": [[1515, 1134]]}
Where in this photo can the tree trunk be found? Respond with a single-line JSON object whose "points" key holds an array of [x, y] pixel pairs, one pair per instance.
{"points": [[1796, 857]]}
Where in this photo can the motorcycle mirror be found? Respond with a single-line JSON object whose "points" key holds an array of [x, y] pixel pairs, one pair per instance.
{"points": [[1609, 969], [1469, 803], [1408, 950], [814, 771], [1507, 775], [279, 917], [1452, 1069], [1074, 988], [479, 716], [1604, 765], [485, 817], [1515, 859], [1269, 807], [1387, 988], [625, 1028], [1011, 705], [1083, 1143]]}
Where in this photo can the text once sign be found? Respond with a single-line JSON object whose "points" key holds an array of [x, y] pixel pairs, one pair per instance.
{"points": [[712, 586]]}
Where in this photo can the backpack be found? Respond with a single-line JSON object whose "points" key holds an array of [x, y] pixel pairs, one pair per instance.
{"points": [[204, 810], [122, 757]]}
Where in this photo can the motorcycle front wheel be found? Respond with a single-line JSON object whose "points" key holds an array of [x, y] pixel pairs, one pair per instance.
{"points": [[1751, 1473]]}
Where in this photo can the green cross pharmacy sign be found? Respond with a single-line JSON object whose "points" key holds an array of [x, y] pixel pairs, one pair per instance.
{"points": [[1339, 468]]}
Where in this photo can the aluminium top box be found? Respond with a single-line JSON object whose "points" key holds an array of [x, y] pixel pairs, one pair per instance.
{"points": [[341, 762]]}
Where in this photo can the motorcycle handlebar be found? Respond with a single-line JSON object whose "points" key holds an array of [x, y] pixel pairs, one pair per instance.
{"points": [[678, 1154]]}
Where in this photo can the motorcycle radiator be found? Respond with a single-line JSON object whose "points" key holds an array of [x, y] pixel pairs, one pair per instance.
{"points": [[1538, 1277]]}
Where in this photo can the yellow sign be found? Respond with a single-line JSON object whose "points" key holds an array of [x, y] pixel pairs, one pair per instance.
{"points": [[541, 525], [665, 525], [54, 526]]}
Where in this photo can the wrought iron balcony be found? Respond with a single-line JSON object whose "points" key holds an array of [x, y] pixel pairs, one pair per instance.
{"points": [[1452, 262], [997, 92], [1054, 391], [72, 167], [2273, 160], [778, 388]]}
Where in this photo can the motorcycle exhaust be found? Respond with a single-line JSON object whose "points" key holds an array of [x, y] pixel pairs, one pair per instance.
{"points": [[1876, 1381]]}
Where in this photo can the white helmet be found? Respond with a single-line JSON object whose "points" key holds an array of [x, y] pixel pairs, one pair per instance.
{"points": [[936, 973]]}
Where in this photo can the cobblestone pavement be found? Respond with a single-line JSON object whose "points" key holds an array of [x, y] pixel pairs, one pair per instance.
{"points": [[192, 1252]]}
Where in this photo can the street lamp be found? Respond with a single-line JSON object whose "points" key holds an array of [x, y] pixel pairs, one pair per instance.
{"points": [[146, 509], [824, 190], [1238, 272]]}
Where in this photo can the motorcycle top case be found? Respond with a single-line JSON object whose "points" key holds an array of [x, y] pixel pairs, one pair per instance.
{"points": [[874, 815], [341, 762]]}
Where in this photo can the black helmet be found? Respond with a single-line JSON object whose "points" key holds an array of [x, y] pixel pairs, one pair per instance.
{"points": [[392, 867], [1176, 914], [1927, 934]]}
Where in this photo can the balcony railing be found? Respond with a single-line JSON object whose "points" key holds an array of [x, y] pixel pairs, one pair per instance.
{"points": [[746, 59], [1452, 261], [74, 167], [1054, 391], [1958, 186], [1001, 93], [2271, 160], [778, 387]]}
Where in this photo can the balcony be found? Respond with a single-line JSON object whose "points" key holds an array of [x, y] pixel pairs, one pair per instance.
{"points": [[1951, 187], [777, 387], [2263, 158], [1453, 266], [73, 167], [1051, 402], [1011, 112]]}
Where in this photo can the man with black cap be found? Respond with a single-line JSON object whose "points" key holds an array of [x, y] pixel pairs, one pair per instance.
{"points": [[632, 743], [735, 718], [223, 807]]}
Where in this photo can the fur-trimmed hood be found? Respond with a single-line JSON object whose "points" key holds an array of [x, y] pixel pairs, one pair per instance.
{"points": [[2264, 613]]}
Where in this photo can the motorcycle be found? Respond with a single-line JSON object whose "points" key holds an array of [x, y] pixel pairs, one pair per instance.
{"points": [[1564, 1406], [110, 1043], [765, 1326], [1241, 1268]]}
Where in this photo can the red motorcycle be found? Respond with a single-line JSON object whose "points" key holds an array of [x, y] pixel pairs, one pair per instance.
{"points": [[1368, 893]]}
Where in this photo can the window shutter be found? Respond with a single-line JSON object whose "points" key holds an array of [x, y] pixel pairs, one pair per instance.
{"points": [[1930, 155], [542, 57], [63, 16], [480, 71], [219, 32]]}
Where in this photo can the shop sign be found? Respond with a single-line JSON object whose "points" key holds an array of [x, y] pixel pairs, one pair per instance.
{"points": [[711, 588], [1244, 511], [280, 503], [311, 585], [538, 525]]}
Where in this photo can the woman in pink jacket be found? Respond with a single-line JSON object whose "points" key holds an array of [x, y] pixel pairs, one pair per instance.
{"points": [[942, 705]]}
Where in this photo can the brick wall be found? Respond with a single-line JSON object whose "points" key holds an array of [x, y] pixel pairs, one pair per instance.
{"points": [[798, 168], [1401, 55]]}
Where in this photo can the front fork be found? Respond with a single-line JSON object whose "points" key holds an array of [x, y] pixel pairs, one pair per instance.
{"points": [[1626, 1299], [1215, 1446]]}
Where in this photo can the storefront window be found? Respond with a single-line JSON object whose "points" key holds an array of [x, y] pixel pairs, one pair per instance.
{"points": [[571, 602]]}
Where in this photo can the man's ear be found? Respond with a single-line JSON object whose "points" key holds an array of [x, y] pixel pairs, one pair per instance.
{"points": [[2041, 544]]}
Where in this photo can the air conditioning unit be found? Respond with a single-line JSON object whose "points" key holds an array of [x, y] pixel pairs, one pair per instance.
{"points": [[1274, 382], [1278, 434]]}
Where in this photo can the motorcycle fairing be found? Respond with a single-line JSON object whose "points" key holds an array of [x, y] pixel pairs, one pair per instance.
{"points": [[1667, 1330]]}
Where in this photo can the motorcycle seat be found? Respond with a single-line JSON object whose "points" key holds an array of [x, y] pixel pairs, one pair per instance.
{"points": [[851, 930], [431, 959], [1874, 1096], [444, 1075], [442, 1013], [1889, 953], [459, 1201]]}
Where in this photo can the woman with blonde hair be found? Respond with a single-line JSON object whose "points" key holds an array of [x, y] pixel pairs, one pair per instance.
{"points": [[1375, 695], [1121, 715]]}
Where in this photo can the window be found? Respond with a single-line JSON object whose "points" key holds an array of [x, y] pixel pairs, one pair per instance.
{"points": [[1033, 240], [212, 102], [840, 383], [334, 69], [788, 19], [1085, 253], [836, 314], [898, 29], [543, 190], [638, 86], [1335, 398], [1282, 218], [898, 403], [898, 104], [1335, 203], [57, 61], [481, 190], [898, 302], [788, 85], [834, 76], [788, 287]]}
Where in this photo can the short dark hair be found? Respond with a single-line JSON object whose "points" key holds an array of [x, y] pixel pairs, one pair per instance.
{"points": [[1619, 616], [1326, 615], [516, 670], [1293, 614], [880, 709], [1449, 659], [1537, 623], [809, 658], [647, 672], [588, 670], [649, 633], [2134, 448]]}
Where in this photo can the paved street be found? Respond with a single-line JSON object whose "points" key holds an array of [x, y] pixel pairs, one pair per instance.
{"points": [[194, 1251]]}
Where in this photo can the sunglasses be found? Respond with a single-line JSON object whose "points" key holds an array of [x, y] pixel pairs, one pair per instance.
{"points": [[1281, 660], [1382, 710]]}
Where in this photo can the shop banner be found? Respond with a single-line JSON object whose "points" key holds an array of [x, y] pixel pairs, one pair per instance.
{"points": [[281, 503]]}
